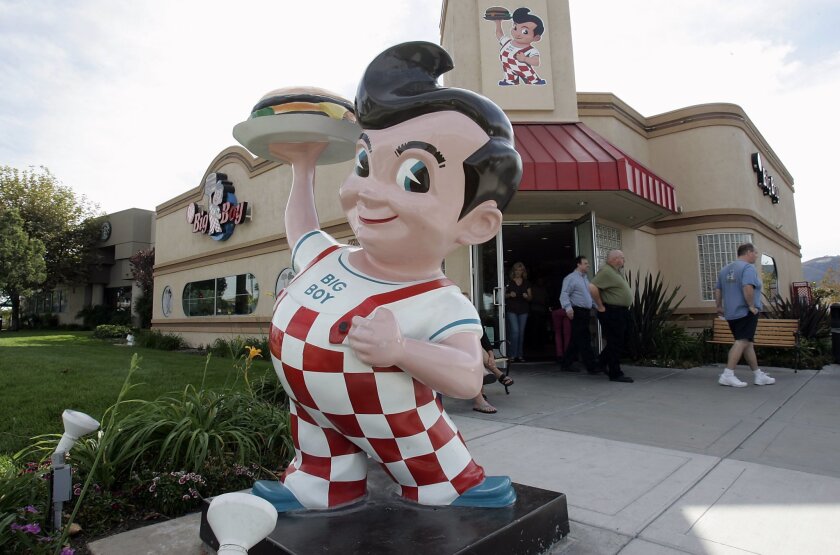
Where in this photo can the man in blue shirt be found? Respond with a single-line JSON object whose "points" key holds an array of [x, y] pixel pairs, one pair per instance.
{"points": [[738, 299], [577, 302]]}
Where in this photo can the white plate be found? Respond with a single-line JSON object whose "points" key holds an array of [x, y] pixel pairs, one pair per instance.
{"points": [[258, 133]]}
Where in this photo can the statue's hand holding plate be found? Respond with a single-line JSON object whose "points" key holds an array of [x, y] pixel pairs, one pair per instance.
{"points": [[305, 116]]}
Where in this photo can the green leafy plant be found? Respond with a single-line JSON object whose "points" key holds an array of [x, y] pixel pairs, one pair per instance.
{"points": [[673, 342], [170, 493], [183, 432], [268, 389], [158, 340], [812, 316], [19, 491], [109, 331], [653, 306], [93, 316]]}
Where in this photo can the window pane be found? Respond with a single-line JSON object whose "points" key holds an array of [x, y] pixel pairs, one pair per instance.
{"points": [[606, 239], [769, 275], [200, 298], [222, 296], [715, 251]]}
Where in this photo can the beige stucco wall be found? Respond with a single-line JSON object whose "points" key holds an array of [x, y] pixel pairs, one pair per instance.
{"points": [[257, 246], [713, 169], [471, 42], [265, 190], [619, 134]]}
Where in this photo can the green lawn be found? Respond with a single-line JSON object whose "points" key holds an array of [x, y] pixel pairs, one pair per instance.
{"points": [[44, 372]]}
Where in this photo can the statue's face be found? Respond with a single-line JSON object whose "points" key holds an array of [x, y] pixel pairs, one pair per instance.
{"points": [[407, 190]]}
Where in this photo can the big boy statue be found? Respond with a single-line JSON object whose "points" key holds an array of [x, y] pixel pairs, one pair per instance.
{"points": [[364, 337]]}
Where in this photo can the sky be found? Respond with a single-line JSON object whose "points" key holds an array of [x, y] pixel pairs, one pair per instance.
{"points": [[128, 102]]}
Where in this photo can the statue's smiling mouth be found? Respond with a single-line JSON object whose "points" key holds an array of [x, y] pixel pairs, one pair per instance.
{"points": [[376, 221]]}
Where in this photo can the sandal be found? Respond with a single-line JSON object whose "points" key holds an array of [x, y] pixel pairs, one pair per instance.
{"points": [[485, 409], [506, 381]]}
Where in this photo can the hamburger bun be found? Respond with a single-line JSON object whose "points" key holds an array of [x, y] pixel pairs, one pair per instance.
{"points": [[304, 100], [497, 13], [301, 115]]}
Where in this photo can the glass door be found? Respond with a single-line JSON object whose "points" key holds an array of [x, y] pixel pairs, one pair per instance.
{"points": [[585, 241], [585, 246], [488, 284]]}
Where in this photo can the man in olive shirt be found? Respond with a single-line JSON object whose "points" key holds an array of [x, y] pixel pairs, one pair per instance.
{"points": [[613, 297]]}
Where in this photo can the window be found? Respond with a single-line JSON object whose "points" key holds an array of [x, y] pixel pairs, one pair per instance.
{"points": [[49, 302], [166, 301], [606, 239], [118, 297], [283, 280], [716, 250], [222, 296], [769, 276]]}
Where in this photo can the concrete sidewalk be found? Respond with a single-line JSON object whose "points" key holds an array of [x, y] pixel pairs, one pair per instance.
{"points": [[673, 463]]}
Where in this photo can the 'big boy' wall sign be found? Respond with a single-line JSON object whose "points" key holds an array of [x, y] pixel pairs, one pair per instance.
{"points": [[223, 212], [765, 181]]}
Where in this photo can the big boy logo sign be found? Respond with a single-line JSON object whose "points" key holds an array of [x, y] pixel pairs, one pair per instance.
{"points": [[223, 213]]}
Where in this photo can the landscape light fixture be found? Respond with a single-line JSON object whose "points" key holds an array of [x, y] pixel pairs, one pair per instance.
{"points": [[76, 425], [240, 521]]}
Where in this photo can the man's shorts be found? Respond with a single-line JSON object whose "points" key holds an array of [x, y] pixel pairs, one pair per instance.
{"points": [[744, 328]]}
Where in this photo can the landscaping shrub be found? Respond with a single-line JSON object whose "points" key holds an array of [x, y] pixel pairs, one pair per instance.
{"points": [[161, 457], [813, 316], [47, 321], [158, 340], [269, 389], [673, 342], [652, 308], [109, 331], [24, 513], [813, 353], [227, 348], [93, 316], [235, 346]]}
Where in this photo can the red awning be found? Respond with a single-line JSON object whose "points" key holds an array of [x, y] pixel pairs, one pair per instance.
{"points": [[572, 157]]}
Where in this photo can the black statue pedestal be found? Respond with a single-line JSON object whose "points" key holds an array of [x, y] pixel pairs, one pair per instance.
{"points": [[385, 524]]}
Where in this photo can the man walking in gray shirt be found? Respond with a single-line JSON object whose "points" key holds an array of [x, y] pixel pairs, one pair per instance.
{"points": [[577, 302], [738, 299]]}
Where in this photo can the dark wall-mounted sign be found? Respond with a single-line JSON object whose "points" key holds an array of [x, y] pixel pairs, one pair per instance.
{"points": [[223, 212], [766, 182]]}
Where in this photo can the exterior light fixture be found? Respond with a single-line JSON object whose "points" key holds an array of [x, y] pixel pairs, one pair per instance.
{"points": [[582, 203], [240, 521], [76, 425]]}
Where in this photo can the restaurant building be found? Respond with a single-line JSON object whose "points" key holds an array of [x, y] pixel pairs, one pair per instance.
{"points": [[111, 284], [677, 192]]}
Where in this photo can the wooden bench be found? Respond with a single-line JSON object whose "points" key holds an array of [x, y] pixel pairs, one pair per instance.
{"points": [[779, 333]]}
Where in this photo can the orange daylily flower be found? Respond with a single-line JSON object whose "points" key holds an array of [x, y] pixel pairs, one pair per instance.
{"points": [[253, 352]]}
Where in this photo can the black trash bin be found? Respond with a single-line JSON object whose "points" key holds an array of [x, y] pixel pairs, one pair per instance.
{"points": [[834, 310]]}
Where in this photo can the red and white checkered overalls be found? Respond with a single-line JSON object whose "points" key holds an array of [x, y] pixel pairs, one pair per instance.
{"points": [[516, 71], [343, 411]]}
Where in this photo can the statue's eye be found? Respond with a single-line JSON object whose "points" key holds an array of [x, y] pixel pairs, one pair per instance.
{"points": [[362, 163], [413, 176]]}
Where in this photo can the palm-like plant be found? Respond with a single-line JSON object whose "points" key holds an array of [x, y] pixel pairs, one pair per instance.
{"points": [[653, 306]]}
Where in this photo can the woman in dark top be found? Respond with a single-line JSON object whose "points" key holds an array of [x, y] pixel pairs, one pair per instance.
{"points": [[517, 305]]}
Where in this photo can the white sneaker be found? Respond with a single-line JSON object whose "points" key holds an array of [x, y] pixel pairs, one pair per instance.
{"points": [[731, 380], [763, 379]]}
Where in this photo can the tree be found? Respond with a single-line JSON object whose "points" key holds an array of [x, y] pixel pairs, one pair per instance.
{"points": [[66, 225], [22, 266], [828, 288], [142, 269]]}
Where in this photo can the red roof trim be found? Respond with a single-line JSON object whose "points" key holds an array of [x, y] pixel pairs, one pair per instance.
{"points": [[573, 157]]}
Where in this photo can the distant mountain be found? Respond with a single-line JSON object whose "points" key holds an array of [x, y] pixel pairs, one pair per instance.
{"points": [[814, 270]]}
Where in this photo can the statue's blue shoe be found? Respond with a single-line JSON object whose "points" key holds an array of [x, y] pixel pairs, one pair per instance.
{"points": [[277, 494], [493, 492]]}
